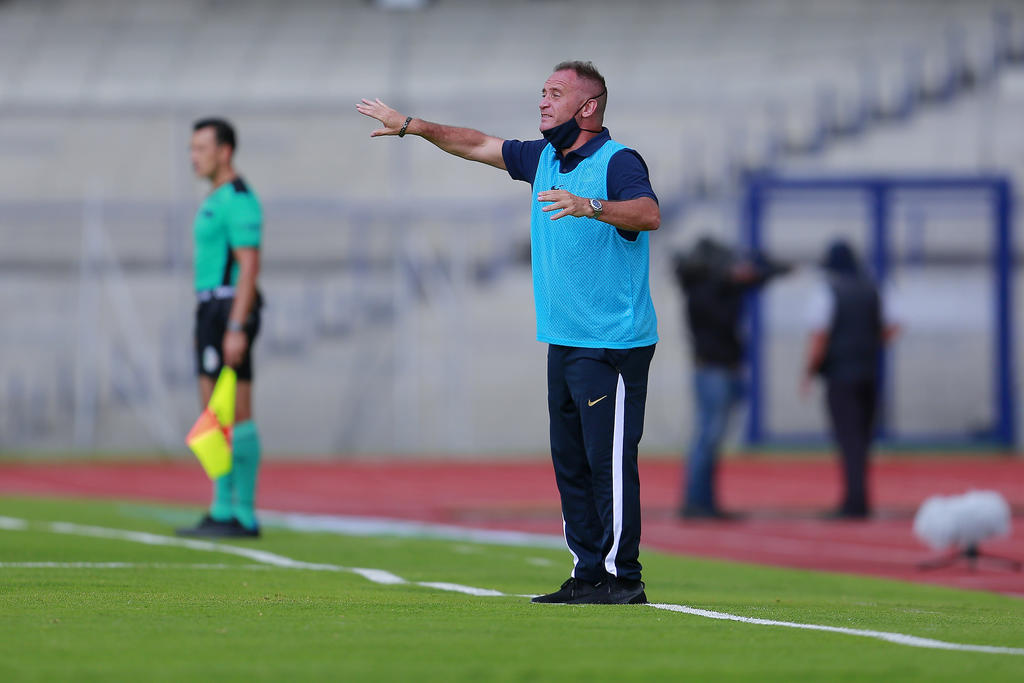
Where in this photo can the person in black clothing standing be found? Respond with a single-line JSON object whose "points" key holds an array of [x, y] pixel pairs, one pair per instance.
{"points": [[848, 333], [715, 280]]}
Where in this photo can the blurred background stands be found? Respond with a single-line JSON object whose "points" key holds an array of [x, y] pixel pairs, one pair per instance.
{"points": [[400, 316]]}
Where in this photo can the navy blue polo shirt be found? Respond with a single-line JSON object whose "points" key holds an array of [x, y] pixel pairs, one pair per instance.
{"points": [[628, 177]]}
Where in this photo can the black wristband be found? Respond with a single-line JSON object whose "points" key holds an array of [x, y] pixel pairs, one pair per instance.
{"points": [[401, 133]]}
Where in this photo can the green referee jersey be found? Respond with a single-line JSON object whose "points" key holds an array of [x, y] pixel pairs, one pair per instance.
{"points": [[229, 218]]}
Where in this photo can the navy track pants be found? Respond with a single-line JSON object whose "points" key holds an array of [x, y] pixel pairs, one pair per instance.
{"points": [[596, 400]]}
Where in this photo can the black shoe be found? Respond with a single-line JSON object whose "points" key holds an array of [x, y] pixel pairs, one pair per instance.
{"points": [[209, 527], [615, 591], [239, 530], [572, 589]]}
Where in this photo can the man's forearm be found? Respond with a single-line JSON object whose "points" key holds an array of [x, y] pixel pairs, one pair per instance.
{"points": [[245, 291], [462, 142], [636, 215]]}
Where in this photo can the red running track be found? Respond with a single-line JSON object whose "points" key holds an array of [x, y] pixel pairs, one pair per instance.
{"points": [[782, 498]]}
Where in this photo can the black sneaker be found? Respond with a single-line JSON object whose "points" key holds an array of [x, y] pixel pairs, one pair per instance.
{"points": [[239, 530], [573, 589], [614, 591], [208, 527]]}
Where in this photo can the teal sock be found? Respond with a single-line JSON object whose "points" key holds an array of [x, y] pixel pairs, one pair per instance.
{"points": [[223, 488], [245, 456]]}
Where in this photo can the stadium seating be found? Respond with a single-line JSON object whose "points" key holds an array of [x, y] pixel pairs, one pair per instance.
{"points": [[96, 98]]}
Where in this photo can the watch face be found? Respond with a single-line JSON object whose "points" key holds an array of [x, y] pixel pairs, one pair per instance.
{"points": [[596, 205]]}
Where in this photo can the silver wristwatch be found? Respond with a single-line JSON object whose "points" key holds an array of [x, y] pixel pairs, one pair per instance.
{"points": [[597, 206]]}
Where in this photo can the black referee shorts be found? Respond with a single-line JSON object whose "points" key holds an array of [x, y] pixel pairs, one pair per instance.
{"points": [[211, 323]]}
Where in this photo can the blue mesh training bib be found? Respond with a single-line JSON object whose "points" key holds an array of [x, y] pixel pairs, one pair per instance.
{"points": [[591, 286]]}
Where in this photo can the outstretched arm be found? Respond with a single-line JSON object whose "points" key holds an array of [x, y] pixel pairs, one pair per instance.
{"points": [[462, 142]]}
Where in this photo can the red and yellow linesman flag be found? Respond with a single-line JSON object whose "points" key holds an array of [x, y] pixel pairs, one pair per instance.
{"points": [[210, 436]]}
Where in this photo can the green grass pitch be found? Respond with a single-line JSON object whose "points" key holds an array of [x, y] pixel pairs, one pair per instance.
{"points": [[170, 613]]}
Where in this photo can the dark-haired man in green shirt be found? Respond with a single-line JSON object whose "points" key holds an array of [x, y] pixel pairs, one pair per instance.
{"points": [[227, 237]]}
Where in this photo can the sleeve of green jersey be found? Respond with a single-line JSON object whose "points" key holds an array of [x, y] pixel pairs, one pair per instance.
{"points": [[245, 221]]}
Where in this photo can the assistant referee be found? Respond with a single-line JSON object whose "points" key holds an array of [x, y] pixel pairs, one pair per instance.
{"points": [[227, 235]]}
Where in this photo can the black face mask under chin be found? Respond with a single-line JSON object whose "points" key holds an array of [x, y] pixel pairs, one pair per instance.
{"points": [[564, 134]]}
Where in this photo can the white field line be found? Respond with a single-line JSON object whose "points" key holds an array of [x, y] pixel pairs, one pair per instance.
{"points": [[384, 577], [468, 590], [898, 638]]}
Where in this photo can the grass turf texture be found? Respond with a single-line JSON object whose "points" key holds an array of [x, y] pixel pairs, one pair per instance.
{"points": [[165, 620]]}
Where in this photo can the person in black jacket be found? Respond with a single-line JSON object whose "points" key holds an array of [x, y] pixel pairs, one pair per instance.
{"points": [[845, 348], [715, 280]]}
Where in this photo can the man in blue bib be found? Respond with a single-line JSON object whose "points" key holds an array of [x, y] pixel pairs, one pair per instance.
{"points": [[589, 220]]}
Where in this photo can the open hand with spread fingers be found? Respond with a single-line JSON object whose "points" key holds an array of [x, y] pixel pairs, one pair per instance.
{"points": [[390, 119]]}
